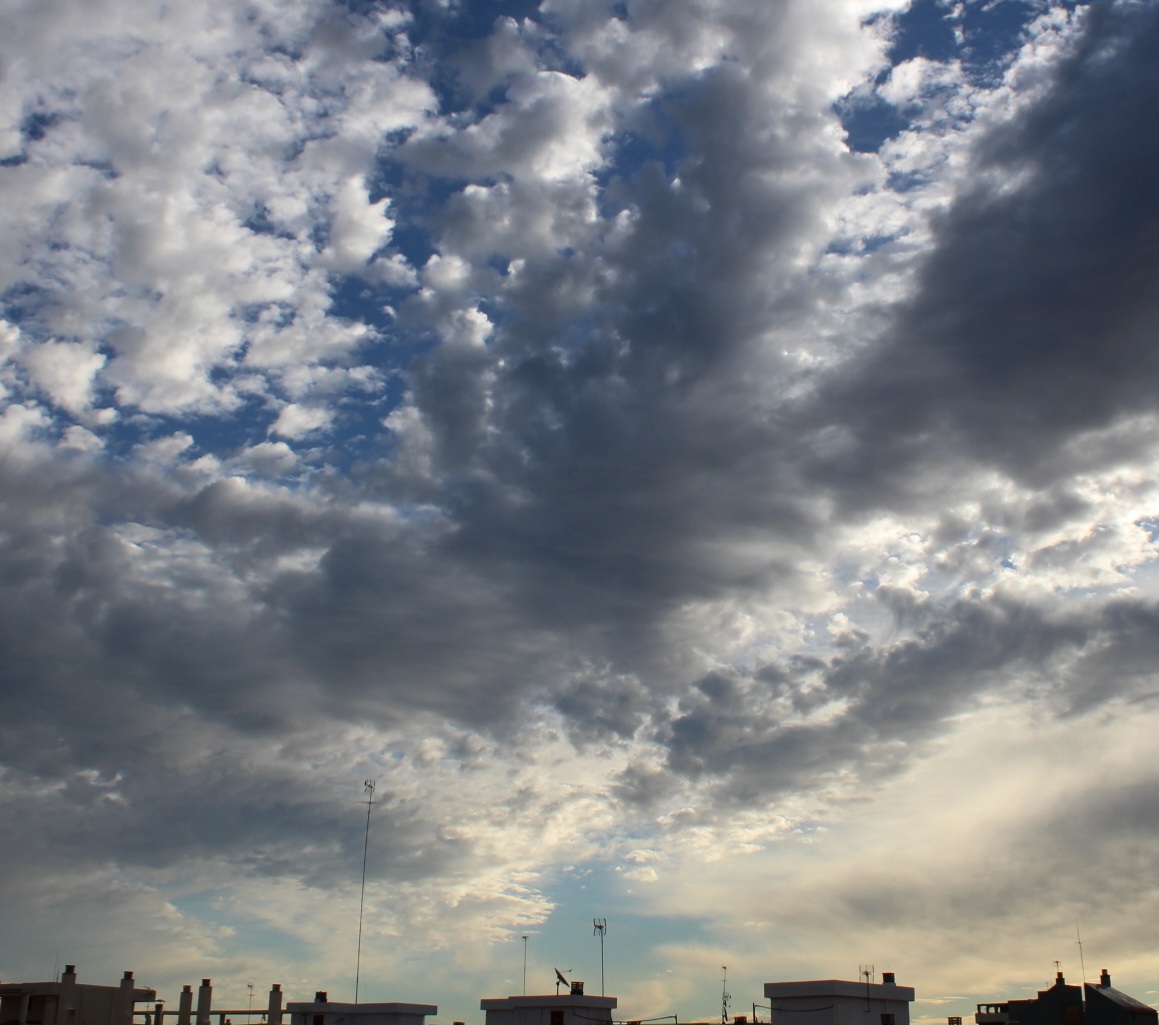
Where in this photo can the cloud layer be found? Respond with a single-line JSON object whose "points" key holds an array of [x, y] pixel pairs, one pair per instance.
{"points": [[697, 456]]}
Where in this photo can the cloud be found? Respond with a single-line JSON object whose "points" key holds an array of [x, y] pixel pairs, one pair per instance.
{"points": [[296, 421], [549, 415], [1024, 330], [65, 371], [176, 183]]}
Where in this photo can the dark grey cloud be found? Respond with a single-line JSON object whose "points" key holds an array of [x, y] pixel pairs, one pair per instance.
{"points": [[1034, 317], [617, 443], [595, 454], [751, 737]]}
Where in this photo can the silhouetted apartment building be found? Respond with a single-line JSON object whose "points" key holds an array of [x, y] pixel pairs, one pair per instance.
{"points": [[69, 1002], [836, 1002], [1064, 1005]]}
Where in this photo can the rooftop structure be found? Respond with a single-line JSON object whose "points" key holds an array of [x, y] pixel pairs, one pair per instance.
{"points": [[68, 1002], [837, 1002], [1064, 1004], [1108, 1006], [322, 1012], [572, 1008]]}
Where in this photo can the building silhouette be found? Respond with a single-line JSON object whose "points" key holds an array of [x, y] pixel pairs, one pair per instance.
{"points": [[815, 1002], [1064, 1004], [322, 1012], [68, 1002], [837, 1002], [572, 1008]]}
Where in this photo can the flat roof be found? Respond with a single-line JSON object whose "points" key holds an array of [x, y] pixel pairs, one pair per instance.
{"points": [[391, 1007], [140, 993], [547, 1000], [839, 988]]}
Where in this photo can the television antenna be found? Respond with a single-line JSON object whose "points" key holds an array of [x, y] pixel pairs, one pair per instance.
{"points": [[725, 995], [525, 966], [368, 789], [561, 980], [866, 972], [600, 927]]}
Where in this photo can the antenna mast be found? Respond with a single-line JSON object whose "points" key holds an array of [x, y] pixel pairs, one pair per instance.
{"points": [[601, 927], [866, 971], [1082, 960], [725, 995], [368, 788]]}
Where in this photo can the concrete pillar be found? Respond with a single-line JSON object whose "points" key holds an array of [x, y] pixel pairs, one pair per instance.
{"points": [[185, 1007], [22, 1014], [274, 1011], [158, 1013], [204, 1002]]}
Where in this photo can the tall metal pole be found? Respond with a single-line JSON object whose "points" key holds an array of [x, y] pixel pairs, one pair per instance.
{"points": [[725, 995], [368, 787], [601, 927]]}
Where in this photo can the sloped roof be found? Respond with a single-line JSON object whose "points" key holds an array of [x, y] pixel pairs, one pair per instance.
{"points": [[1119, 997]]}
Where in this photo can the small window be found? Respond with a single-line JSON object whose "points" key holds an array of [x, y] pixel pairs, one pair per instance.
{"points": [[887, 1018], [557, 1017]]}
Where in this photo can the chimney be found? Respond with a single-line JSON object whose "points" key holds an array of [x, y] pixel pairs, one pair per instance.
{"points": [[1105, 979], [577, 989], [274, 1010], [320, 997], [887, 978], [125, 998], [1059, 980], [185, 1006], [204, 1001], [69, 974]]}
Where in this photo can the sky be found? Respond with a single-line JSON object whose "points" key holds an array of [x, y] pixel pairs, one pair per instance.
{"points": [[698, 457]]}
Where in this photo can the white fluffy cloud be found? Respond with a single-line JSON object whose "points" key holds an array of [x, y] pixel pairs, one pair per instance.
{"points": [[174, 177]]}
